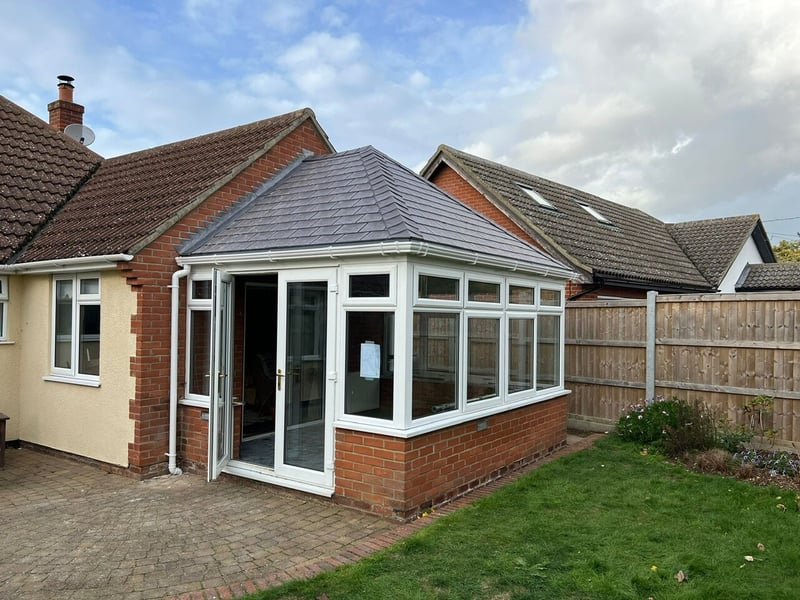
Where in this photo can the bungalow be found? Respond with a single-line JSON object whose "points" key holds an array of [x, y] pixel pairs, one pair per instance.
{"points": [[615, 251], [250, 302]]}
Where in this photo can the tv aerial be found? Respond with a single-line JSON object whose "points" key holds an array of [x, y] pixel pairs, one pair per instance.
{"points": [[80, 133]]}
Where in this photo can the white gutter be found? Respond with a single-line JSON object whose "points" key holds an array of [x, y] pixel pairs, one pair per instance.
{"points": [[383, 249], [172, 454], [80, 263]]}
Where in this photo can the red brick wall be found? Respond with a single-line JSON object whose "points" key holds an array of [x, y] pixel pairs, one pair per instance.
{"points": [[402, 477], [452, 183], [149, 275], [574, 287]]}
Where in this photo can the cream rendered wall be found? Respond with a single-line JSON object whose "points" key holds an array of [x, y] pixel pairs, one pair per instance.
{"points": [[88, 421], [9, 358], [749, 254]]}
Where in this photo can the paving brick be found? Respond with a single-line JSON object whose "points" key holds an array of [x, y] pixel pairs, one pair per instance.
{"points": [[80, 533]]}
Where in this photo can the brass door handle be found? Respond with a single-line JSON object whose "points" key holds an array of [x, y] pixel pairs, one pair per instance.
{"points": [[279, 377]]}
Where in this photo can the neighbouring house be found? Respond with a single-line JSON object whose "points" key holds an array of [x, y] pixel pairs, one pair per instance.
{"points": [[250, 302], [615, 251]]}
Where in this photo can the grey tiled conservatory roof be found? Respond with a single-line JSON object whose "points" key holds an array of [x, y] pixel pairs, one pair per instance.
{"points": [[357, 197]]}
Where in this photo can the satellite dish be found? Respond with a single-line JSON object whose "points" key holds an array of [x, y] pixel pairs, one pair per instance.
{"points": [[80, 133]]}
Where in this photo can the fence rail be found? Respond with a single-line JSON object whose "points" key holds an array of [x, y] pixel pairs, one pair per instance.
{"points": [[720, 349]]}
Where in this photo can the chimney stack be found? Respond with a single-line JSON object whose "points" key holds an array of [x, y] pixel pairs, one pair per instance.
{"points": [[64, 111]]}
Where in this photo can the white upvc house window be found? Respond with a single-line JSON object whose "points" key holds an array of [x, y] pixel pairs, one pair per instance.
{"points": [[3, 308], [75, 352], [198, 333], [482, 342]]}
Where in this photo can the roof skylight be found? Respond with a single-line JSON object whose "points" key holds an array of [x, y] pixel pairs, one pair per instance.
{"points": [[534, 195], [595, 213]]}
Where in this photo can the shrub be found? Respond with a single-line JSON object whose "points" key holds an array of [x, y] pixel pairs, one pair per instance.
{"points": [[647, 423], [694, 430], [679, 427], [732, 438]]}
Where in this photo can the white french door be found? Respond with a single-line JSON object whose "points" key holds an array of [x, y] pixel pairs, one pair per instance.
{"points": [[305, 375], [220, 413]]}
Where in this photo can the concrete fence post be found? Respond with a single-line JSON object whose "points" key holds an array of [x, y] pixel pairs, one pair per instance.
{"points": [[650, 354]]}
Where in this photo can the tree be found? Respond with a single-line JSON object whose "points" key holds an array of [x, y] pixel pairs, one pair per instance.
{"points": [[787, 251]]}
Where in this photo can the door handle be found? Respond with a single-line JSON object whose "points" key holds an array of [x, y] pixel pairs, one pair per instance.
{"points": [[279, 377]]}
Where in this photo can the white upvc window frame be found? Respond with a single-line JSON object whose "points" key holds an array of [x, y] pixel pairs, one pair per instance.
{"points": [[3, 308], [78, 299], [195, 305], [503, 310]]}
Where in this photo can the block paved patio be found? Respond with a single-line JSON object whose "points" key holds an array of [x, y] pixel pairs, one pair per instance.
{"points": [[69, 530]]}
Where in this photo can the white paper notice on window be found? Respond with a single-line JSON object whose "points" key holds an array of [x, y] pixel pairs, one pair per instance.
{"points": [[370, 360]]}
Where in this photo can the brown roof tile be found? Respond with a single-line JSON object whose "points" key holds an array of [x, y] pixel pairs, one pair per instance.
{"points": [[633, 247], [713, 244], [40, 168], [133, 197], [770, 277]]}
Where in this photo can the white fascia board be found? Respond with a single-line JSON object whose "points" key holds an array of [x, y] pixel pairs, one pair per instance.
{"points": [[422, 249], [69, 265]]}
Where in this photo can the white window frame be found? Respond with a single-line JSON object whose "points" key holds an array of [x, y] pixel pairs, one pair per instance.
{"points": [[436, 302], [194, 305], [3, 308], [71, 374], [389, 301], [502, 353]]}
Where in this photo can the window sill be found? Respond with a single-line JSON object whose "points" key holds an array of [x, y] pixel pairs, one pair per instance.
{"points": [[448, 419], [72, 380], [7, 342]]}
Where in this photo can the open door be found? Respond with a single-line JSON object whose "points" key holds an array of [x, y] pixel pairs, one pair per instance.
{"points": [[305, 375], [220, 413]]}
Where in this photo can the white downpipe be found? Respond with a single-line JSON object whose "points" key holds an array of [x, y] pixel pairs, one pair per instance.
{"points": [[172, 455]]}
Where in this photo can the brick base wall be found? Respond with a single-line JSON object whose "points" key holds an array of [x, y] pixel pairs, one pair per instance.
{"points": [[403, 477]]}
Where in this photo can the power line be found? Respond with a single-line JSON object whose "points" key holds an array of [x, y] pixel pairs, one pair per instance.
{"points": [[774, 220]]}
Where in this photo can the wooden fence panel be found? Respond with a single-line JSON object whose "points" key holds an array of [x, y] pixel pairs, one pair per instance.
{"points": [[721, 349]]}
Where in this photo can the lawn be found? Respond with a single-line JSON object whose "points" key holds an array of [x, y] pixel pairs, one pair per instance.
{"points": [[608, 522]]}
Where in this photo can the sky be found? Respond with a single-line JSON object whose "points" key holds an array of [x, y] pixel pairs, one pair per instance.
{"points": [[684, 109]]}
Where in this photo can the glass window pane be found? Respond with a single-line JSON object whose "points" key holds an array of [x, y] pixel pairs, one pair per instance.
{"points": [[200, 357], [438, 288], [550, 297], [548, 352], [201, 290], [369, 380], [483, 291], [90, 286], [434, 387], [520, 355], [520, 294], [483, 347], [2, 287], [63, 325], [2, 320], [369, 286], [89, 340]]}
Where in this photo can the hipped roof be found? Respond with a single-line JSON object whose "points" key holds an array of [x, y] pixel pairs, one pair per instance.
{"points": [[132, 199], [357, 197]]}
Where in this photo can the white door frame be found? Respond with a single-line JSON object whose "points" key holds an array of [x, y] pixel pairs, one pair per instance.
{"points": [[220, 410], [322, 478]]}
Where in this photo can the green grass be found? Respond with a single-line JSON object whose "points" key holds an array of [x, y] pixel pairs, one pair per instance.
{"points": [[603, 523]]}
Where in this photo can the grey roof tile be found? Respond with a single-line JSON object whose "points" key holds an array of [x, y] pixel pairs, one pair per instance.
{"points": [[365, 197], [770, 276]]}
